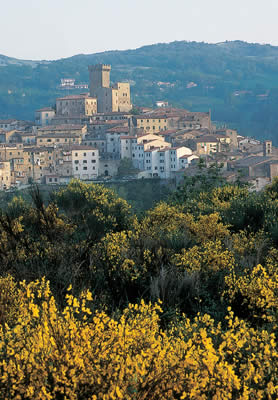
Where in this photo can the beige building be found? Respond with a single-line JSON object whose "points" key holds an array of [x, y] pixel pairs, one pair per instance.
{"points": [[38, 162], [44, 116], [207, 145], [114, 98], [8, 152], [58, 139], [63, 162], [150, 123], [73, 129], [5, 175], [76, 105]]}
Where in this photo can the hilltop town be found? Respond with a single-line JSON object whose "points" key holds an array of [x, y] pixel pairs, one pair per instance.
{"points": [[100, 135]]}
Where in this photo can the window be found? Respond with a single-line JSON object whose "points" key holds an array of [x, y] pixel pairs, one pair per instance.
{"points": [[85, 168], [76, 162], [84, 161], [50, 179], [93, 154], [76, 168], [84, 154], [94, 167], [76, 154], [55, 179], [155, 167]]}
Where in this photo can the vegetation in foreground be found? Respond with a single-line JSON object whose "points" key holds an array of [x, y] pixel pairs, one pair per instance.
{"points": [[181, 303]]}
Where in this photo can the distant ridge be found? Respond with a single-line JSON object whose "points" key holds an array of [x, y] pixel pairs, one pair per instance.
{"points": [[237, 80]]}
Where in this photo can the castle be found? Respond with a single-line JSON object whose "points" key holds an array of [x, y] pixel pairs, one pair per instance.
{"points": [[114, 98]]}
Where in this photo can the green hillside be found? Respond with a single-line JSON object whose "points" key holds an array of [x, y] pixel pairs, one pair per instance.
{"points": [[238, 81]]}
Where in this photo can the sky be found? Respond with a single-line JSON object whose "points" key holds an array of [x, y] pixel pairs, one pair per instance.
{"points": [[53, 29]]}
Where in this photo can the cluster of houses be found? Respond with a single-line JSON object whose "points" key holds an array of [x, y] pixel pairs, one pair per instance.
{"points": [[87, 136]]}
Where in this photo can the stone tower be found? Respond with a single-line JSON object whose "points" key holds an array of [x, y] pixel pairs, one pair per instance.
{"points": [[114, 98], [267, 148], [99, 77]]}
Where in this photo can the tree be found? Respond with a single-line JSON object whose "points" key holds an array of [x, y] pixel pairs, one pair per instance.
{"points": [[126, 167]]}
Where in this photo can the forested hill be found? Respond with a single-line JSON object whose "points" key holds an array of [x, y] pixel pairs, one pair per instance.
{"points": [[238, 81]]}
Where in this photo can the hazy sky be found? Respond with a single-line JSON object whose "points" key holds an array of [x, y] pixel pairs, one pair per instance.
{"points": [[51, 29]]}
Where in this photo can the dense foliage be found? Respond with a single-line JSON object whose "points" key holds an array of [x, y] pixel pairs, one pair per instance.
{"points": [[238, 81], [178, 303]]}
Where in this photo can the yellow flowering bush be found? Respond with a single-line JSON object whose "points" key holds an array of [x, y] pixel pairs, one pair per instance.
{"points": [[211, 257], [74, 354], [258, 290], [207, 227]]}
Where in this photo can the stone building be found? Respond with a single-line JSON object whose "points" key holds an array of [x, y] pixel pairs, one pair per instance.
{"points": [[114, 98], [58, 139], [76, 105], [5, 175], [73, 129], [44, 116]]}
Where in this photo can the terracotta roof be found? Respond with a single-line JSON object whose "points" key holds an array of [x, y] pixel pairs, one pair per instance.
{"points": [[128, 137], [207, 139], [186, 156]]}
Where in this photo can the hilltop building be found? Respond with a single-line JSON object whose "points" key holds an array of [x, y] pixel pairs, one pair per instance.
{"points": [[114, 98], [76, 105]]}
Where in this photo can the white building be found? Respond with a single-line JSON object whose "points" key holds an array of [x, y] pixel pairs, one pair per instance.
{"points": [[126, 145], [85, 162], [164, 162], [153, 154]]}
